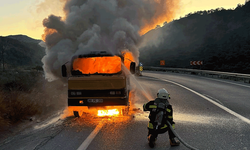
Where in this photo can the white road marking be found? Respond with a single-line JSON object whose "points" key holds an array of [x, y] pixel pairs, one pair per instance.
{"points": [[218, 101], [210, 100], [248, 86], [229, 82], [89, 139]]}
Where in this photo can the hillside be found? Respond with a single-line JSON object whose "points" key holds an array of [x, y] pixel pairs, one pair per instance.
{"points": [[220, 38], [20, 51], [24, 92]]}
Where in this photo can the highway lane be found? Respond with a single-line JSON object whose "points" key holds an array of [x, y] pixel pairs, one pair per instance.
{"points": [[231, 94], [199, 122]]}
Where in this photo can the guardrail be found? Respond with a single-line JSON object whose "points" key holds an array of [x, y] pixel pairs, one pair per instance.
{"points": [[208, 73]]}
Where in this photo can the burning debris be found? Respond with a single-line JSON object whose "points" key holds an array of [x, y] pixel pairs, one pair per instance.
{"points": [[90, 25], [109, 112]]}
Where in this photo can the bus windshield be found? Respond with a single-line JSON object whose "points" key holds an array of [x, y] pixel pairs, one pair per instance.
{"points": [[98, 65]]}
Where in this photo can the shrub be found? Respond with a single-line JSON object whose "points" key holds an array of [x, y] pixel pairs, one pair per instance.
{"points": [[27, 94], [3, 121], [20, 106]]}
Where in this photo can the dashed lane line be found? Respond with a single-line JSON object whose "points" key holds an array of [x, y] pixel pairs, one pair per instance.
{"points": [[89, 139]]}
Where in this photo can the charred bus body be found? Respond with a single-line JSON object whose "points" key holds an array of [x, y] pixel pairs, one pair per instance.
{"points": [[98, 80]]}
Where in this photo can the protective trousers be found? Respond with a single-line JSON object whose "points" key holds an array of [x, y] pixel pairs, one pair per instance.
{"points": [[155, 132]]}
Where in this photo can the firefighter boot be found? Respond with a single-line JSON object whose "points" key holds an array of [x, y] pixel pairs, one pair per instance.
{"points": [[151, 141], [174, 142]]}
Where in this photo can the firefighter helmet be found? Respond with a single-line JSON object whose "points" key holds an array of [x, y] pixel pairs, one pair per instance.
{"points": [[163, 93]]}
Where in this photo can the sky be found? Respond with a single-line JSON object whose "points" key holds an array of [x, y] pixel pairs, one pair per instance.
{"points": [[26, 16]]}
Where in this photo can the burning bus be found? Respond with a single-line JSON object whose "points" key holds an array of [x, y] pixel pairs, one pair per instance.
{"points": [[99, 81]]}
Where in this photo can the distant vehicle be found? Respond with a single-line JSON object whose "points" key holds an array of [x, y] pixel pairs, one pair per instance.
{"points": [[98, 80], [139, 69]]}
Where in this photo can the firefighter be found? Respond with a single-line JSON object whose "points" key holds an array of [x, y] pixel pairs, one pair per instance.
{"points": [[160, 112]]}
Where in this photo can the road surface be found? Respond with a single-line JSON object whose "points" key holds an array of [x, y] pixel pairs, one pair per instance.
{"points": [[210, 114]]}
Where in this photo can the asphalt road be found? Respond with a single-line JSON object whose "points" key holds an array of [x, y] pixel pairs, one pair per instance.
{"points": [[210, 114]]}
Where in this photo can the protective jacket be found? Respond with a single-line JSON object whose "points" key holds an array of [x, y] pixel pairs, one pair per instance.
{"points": [[155, 107]]}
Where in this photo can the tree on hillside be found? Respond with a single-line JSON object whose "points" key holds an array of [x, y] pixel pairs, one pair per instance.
{"points": [[220, 37]]}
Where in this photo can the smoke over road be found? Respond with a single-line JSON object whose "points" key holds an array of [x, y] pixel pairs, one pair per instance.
{"points": [[111, 25]]}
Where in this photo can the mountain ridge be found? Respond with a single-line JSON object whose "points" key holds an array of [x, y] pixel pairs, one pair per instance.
{"points": [[20, 51], [220, 38]]}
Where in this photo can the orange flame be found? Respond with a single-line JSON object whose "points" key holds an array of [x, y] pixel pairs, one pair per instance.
{"points": [[128, 58], [92, 65], [110, 112], [165, 11]]}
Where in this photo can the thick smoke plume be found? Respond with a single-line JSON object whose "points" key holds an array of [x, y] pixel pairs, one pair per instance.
{"points": [[89, 25]]}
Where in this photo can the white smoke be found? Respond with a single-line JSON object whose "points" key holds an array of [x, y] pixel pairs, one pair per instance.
{"points": [[90, 25]]}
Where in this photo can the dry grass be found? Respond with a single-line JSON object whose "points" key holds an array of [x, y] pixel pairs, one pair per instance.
{"points": [[3, 110], [16, 106], [20, 106], [27, 94]]}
